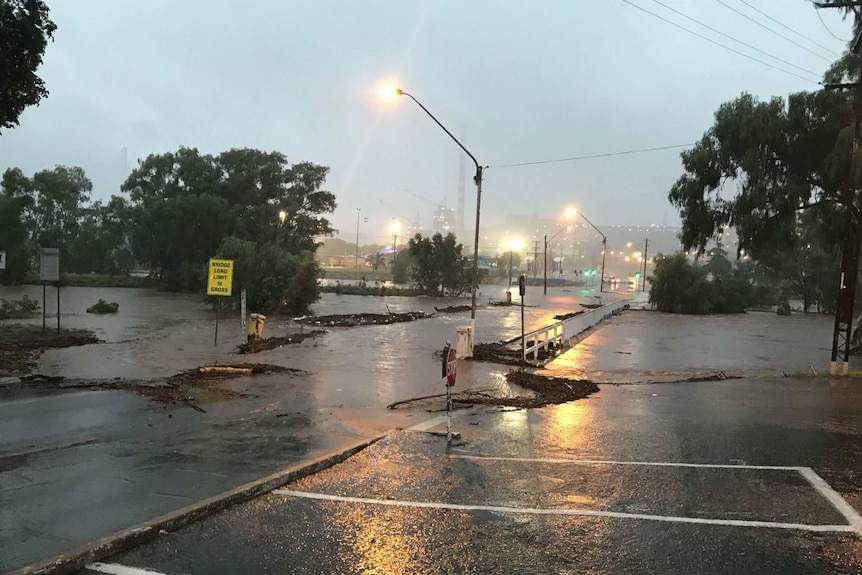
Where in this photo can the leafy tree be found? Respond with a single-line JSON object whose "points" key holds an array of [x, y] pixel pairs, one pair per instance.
{"points": [[401, 267], [274, 279], [377, 261], [24, 33], [678, 286], [438, 267], [184, 203], [102, 246], [14, 240], [53, 204]]}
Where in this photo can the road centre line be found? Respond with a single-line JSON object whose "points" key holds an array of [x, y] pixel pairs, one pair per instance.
{"points": [[833, 497], [566, 512], [643, 463], [115, 569]]}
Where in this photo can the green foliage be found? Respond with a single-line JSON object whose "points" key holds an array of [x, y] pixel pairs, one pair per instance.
{"points": [[275, 280], [184, 204], [678, 286], [401, 267], [438, 267], [24, 33], [18, 308], [377, 261], [14, 239], [101, 307]]}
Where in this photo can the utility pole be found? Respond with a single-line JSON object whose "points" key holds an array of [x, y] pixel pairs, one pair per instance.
{"points": [[643, 276], [545, 264], [842, 332], [536, 259]]}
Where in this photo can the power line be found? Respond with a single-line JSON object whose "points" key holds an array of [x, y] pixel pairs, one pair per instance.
{"points": [[711, 41], [759, 11], [765, 27], [728, 36], [607, 155], [831, 33]]}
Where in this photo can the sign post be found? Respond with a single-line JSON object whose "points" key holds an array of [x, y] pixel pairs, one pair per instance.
{"points": [[450, 365], [522, 289], [49, 271], [243, 317], [219, 283]]}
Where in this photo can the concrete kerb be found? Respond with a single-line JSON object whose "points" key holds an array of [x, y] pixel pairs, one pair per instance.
{"points": [[79, 557]]}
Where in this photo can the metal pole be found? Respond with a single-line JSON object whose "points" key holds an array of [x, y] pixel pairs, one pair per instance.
{"points": [[643, 277], [43, 306], [58, 307], [478, 179], [604, 251], [356, 261], [545, 264], [523, 347], [510, 266], [448, 413], [218, 305]]}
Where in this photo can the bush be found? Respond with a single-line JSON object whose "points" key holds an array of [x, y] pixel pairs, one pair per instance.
{"points": [[678, 286], [18, 308], [102, 306]]}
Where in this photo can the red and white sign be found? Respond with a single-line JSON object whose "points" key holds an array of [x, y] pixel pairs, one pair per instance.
{"points": [[451, 367]]}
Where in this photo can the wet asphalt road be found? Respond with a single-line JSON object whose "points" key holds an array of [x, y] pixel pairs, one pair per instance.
{"points": [[647, 518], [78, 465]]}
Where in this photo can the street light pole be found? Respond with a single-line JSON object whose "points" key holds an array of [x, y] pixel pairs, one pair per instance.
{"points": [[477, 179], [570, 212], [511, 255]]}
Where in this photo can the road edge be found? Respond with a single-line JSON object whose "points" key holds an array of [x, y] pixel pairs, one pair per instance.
{"points": [[81, 556]]}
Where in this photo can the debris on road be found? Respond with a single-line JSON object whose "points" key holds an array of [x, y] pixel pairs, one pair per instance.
{"points": [[496, 353], [213, 373], [565, 316], [453, 309], [356, 319], [545, 391], [257, 345]]}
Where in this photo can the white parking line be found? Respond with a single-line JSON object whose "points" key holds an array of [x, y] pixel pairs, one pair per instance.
{"points": [[645, 463], [566, 512], [115, 569], [838, 502]]}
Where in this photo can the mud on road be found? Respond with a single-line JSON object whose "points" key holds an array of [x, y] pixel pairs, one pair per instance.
{"points": [[356, 319], [258, 345]]}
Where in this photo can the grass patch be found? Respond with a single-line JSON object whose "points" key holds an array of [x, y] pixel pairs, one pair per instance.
{"points": [[102, 306], [28, 336], [18, 308]]}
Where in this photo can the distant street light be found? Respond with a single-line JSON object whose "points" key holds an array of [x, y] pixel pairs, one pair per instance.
{"points": [[356, 261], [571, 212], [545, 256], [282, 215], [477, 179]]}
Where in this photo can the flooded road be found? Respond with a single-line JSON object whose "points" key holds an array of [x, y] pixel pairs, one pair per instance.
{"points": [[83, 452]]}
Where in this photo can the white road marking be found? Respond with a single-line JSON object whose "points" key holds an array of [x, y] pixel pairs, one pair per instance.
{"points": [[833, 497], [115, 569], [426, 425], [566, 512], [645, 463]]}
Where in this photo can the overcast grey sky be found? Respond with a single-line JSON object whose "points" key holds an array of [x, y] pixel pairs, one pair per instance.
{"points": [[523, 81]]}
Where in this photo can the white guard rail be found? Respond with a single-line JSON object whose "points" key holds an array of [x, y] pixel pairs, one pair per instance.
{"points": [[556, 336]]}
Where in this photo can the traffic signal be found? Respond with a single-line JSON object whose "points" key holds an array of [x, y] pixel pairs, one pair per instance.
{"points": [[638, 275]]}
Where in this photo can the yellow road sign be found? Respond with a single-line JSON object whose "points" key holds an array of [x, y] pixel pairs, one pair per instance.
{"points": [[220, 279]]}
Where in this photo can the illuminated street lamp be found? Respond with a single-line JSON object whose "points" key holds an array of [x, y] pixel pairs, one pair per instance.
{"points": [[282, 215], [477, 179], [571, 212]]}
